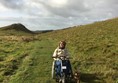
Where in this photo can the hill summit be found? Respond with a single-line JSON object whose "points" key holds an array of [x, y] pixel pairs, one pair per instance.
{"points": [[15, 29]]}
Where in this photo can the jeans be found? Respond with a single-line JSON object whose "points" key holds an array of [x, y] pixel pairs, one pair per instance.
{"points": [[56, 67]]}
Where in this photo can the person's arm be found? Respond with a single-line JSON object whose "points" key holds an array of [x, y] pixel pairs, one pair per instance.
{"points": [[55, 53]]}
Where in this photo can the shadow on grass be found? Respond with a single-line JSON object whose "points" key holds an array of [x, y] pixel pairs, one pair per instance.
{"points": [[90, 78]]}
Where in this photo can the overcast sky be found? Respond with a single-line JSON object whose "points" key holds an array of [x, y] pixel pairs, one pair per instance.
{"points": [[55, 14]]}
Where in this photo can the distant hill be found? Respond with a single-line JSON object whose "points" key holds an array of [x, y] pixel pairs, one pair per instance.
{"points": [[42, 31], [15, 29]]}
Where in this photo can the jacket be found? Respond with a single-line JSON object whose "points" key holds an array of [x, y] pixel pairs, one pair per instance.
{"points": [[60, 52]]}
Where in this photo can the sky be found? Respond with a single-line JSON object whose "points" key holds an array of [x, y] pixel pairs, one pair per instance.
{"points": [[56, 14]]}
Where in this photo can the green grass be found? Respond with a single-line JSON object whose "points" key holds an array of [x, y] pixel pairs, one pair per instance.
{"points": [[93, 48], [32, 61]]}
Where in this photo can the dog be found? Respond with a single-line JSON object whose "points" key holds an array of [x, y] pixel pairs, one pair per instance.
{"points": [[76, 76]]}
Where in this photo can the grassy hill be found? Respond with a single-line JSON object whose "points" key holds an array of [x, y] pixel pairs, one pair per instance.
{"points": [[93, 48], [15, 29]]}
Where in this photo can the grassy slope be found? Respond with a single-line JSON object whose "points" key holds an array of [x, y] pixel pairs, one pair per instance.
{"points": [[37, 68], [13, 32], [93, 47], [23, 62]]}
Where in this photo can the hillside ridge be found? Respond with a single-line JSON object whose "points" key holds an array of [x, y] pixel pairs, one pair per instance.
{"points": [[17, 27]]}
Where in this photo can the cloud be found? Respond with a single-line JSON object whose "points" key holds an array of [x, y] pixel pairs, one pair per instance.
{"points": [[55, 14], [13, 4], [65, 9]]}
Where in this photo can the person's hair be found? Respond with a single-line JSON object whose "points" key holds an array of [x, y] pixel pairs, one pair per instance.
{"points": [[63, 42]]}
